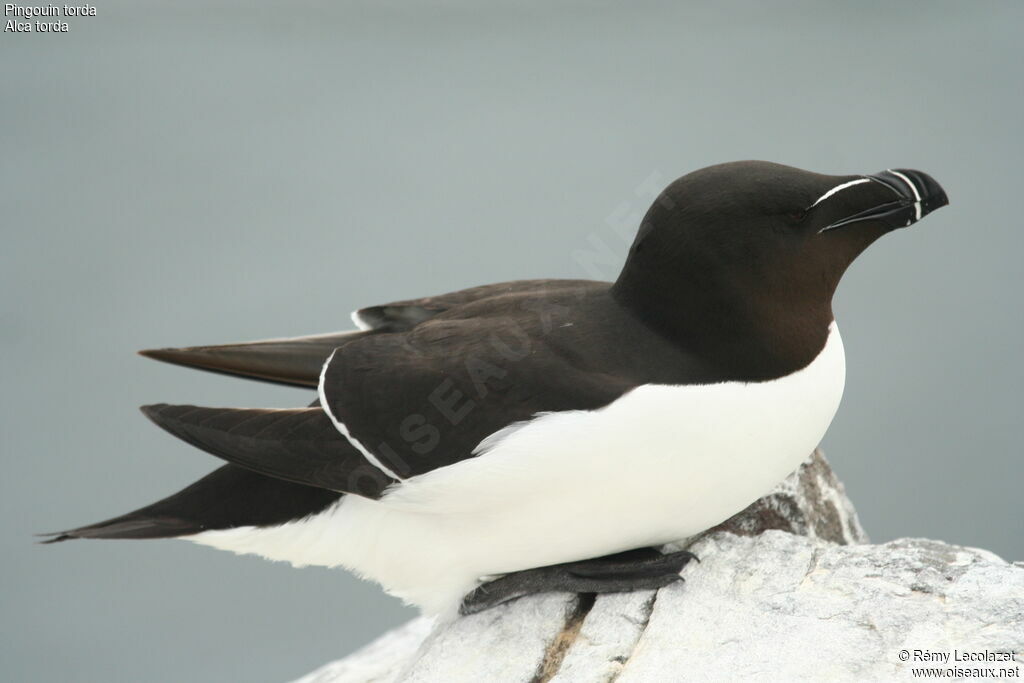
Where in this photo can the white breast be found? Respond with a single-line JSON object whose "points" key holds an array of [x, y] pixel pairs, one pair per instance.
{"points": [[660, 464]]}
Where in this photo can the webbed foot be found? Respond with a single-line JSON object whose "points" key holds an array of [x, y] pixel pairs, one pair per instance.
{"points": [[643, 568]]}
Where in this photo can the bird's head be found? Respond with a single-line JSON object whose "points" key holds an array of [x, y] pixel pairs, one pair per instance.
{"points": [[753, 241]]}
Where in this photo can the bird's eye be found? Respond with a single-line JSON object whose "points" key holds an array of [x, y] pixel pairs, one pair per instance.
{"points": [[796, 215]]}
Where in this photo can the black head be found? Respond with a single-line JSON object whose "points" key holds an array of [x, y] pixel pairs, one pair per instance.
{"points": [[753, 248]]}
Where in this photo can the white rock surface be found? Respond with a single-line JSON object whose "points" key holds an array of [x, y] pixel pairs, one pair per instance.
{"points": [[381, 660], [826, 612], [763, 604]]}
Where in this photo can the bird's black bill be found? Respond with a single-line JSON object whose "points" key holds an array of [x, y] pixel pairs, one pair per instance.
{"points": [[917, 195]]}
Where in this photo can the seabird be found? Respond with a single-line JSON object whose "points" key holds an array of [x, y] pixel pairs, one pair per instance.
{"points": [[537, 435]]}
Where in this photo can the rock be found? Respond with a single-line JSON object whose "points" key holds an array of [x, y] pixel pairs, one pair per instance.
{"points": [[786, 590], [827, 612], [381, 660], [810, 502]]}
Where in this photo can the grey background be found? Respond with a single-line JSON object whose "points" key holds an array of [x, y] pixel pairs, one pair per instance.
{"points": [[176, 174]]}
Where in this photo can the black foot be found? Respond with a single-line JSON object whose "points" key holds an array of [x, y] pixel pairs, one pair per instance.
{"points": [[644, 568]]}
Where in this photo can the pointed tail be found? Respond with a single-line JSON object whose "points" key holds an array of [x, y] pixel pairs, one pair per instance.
{"points": [[226, 498]]}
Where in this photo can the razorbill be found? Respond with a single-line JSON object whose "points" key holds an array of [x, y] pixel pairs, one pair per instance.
{"points": [[547, 434]]}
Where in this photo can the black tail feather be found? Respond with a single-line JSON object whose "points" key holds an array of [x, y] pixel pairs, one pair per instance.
{"points": [[226, 498]]}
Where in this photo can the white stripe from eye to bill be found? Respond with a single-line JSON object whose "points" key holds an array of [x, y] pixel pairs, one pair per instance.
{"points": [[913, 188], [837, 188]]}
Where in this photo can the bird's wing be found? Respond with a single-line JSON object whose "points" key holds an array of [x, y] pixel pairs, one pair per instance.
{"points": [[393, 405], [297, 361], [400, 316], [427, 398], [418, 395]]}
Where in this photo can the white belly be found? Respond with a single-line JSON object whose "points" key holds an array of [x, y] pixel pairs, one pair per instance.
{"points": [[658, 465]]}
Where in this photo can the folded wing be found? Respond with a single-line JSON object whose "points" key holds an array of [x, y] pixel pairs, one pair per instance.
{"points": [[296, 361]]}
